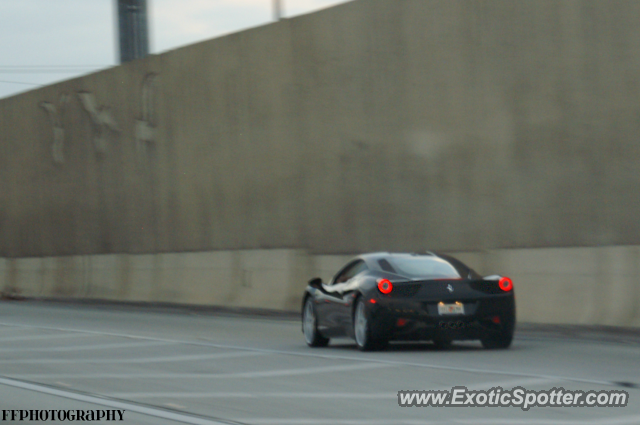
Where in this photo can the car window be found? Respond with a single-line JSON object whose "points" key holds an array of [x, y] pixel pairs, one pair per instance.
{"points": [[350, 271], [421, 267]]}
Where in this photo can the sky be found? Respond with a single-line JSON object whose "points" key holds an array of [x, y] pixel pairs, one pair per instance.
{"points": [[45, 41]]}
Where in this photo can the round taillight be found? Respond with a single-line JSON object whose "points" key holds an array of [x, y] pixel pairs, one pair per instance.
{"points": [[505, 284], [385, 286]]}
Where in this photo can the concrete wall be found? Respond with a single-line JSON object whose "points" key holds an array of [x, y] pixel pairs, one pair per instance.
{"points": [[402, 125], [589, 286], [258, 279]]}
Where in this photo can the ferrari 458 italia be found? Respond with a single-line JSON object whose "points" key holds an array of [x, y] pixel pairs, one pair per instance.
{"points": [[382, 297]]}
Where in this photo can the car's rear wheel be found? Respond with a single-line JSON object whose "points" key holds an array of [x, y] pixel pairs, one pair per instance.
{"points": [[500, 341], [363, 331], [310, 326]]}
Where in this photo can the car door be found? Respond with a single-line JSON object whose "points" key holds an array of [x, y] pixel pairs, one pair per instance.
{"points": [[339, 297]]}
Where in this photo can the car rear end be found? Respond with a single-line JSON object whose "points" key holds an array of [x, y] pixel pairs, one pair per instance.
{"points": [[457, 305], [452, 309]]}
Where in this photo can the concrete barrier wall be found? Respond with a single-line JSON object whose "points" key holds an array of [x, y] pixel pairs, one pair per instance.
{"points": [[270, 279], [477, 126], [459, 125], [589, 286]]}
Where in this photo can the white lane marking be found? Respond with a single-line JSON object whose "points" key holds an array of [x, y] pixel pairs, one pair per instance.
{"points": [[303, 371], [40, 337], [328, 356], [115, 404], [509, 384], [182, 395], [145, 360], [622, 420], [342, 421], [175, 406], [149, 343], [239, 375], [332, 395]]}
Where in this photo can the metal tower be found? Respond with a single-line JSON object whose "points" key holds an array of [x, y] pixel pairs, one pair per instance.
{"points": [[133, 29]]}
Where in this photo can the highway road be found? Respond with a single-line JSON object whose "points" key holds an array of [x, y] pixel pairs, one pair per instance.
{"points": [[166, 365]]}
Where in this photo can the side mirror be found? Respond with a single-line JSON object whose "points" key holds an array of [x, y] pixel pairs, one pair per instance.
{"points": [[316, 282]]}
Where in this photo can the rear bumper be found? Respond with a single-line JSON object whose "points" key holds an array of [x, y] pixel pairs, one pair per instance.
{"points": [[406, 320]]}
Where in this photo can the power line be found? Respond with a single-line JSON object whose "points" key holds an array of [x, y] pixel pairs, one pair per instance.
{"points": [[43, 71], [133, 29], [56, 66], [21, 82], [49, 69]]}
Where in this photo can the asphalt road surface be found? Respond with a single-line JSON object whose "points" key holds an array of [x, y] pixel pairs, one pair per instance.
{"points": [[167, 366]]}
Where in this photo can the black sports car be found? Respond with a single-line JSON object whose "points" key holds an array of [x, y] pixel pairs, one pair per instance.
{"points": [[380, 297]]}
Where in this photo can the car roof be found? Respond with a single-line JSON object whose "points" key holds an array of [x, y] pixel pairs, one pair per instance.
{"points": [[372, 259], [374, 256]]}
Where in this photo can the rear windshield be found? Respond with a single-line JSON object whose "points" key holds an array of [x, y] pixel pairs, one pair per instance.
{"points": [[420, 267]]}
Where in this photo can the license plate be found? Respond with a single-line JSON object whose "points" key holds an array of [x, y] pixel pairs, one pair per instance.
{"points": [[457, 308]]}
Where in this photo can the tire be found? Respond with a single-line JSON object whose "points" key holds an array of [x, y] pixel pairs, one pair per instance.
{"points": [[362, 330], [499, 342], [310, 326]]}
